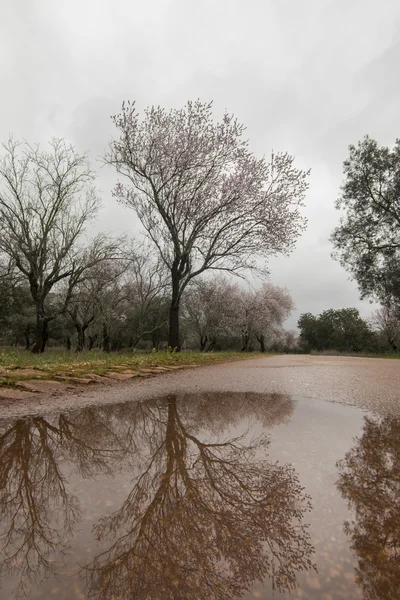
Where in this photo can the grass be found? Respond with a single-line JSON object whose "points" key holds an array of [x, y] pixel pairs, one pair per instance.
{"points": [[61, 363]]}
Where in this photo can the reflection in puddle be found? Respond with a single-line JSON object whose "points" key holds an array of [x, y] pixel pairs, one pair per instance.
{"points": [[38, 511], [187, 497], [370, 482], [204, 518]]}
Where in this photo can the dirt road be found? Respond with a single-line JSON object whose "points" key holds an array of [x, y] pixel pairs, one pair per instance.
{"points": [[365, 382]]}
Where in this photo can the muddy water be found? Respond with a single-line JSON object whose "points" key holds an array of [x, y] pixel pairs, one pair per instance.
{"points": [[208, 496]]}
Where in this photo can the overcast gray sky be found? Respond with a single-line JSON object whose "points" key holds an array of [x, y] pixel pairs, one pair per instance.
{"points": [[306, 76]]}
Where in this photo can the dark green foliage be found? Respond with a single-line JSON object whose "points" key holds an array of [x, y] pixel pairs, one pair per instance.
{"points": [[17, 313], [5, 304], [342, 330], [367, 241]]}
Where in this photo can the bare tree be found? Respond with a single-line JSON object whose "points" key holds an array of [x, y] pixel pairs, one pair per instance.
{"points": [[90, 294], [124, 301], [144, 290], [46, 201], [203, 198]]}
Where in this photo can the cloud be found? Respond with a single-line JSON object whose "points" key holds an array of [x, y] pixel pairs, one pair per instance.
{"points": [[308, 77]]}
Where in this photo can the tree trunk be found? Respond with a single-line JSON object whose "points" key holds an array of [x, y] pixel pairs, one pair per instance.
{"points": [[80, 346], [68, 342], [92, 340], [106, 339], [133, 342], [245, 342], [212, 344], [27, 337], [173, 330], [203, 343], [42, 335], [173, 333], [115, 344], [261, 341]]}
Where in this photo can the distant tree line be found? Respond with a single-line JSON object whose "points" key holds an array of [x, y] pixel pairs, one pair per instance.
{"points": [[123, 305], [344, 330]]}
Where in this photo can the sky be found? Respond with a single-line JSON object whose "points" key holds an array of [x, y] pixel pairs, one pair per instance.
{"points": [[305, 76]]}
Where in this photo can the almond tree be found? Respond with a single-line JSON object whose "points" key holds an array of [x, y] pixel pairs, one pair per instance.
{"points": [[286, 341], [210, 309], [204, 199], [261, 313], [46, 200], [274, 306]]}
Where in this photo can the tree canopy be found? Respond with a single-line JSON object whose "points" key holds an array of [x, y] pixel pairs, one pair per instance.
{"points": [[342, 329], [46, 200], [367, 241], [205, 200]]}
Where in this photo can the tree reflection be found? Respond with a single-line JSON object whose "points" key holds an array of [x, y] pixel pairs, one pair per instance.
{"points": [[37, 512], [207, 516], [370, 481]]}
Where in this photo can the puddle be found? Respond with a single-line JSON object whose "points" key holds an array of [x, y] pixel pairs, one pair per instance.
{"points": [[208, 496]]}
